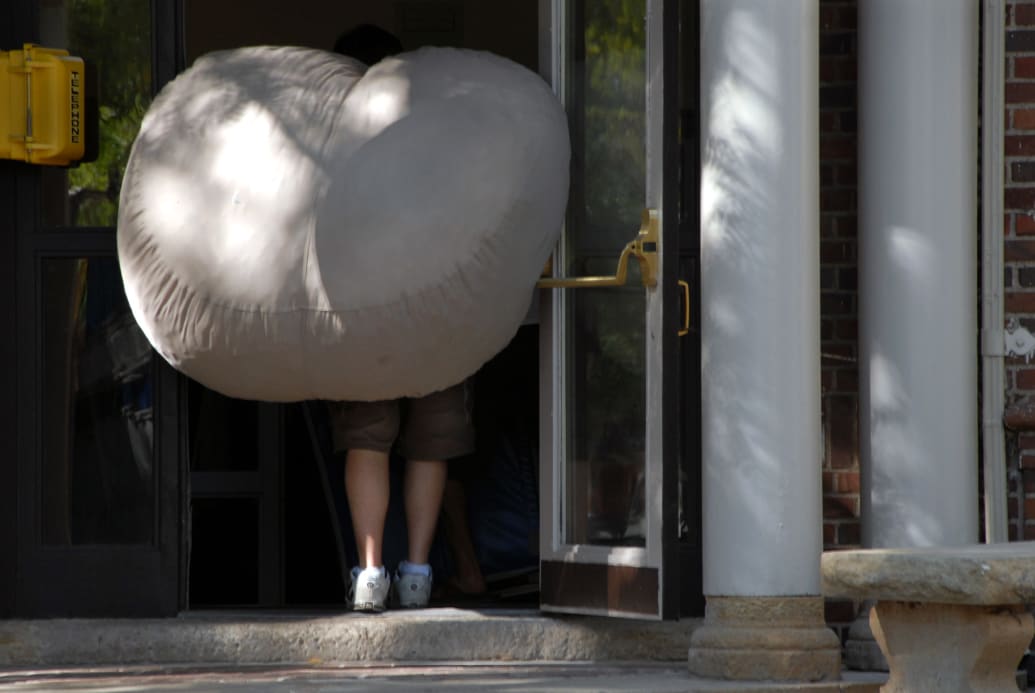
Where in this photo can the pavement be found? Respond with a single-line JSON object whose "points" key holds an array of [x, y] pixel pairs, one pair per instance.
{"points": [[444, 649], [538, 677]]}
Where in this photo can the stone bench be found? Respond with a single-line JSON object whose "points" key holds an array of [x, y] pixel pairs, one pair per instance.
{"points": [[946, 619]]}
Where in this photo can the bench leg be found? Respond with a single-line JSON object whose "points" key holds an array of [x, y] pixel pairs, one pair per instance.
{"points": [[951, 648]]}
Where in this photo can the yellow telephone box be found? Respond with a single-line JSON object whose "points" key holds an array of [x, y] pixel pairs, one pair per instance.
{"points": [[42, 106]]}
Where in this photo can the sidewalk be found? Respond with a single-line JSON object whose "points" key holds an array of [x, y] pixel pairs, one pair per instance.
{"points": [[502, 678], [511, 651]]}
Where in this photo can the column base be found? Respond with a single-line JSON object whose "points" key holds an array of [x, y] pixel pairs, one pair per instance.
{"points": [[765, 639], [862, 653], [951, 648]]}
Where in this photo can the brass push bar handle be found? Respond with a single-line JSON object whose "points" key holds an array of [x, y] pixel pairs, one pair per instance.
{"points": [[644, 248], [685, 329]]}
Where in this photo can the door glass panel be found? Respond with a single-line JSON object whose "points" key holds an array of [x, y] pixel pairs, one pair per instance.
{"points": [[222, 431], [605, 381], [98, 451], [114, 36]]}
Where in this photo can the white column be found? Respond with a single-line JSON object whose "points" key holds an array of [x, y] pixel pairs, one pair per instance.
{"points": [[918, 288], [760, 297], [761, 344], [760, 339]]}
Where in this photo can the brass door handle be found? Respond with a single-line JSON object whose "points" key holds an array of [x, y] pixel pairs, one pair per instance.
{"points": [[644, 248], [685, 285]]}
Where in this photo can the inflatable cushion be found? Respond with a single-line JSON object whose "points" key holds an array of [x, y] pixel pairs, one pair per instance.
{"points": [[292, 228]]}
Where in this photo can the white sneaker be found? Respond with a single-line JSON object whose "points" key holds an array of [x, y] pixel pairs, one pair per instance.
{"points": [[368, 589], [412, 591]]}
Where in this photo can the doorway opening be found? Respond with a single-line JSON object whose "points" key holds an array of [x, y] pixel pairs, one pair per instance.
{"points": [[269, 523], [269, 519]]}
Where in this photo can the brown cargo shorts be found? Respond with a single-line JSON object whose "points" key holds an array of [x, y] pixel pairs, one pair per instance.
{"points": [[437, 426]]}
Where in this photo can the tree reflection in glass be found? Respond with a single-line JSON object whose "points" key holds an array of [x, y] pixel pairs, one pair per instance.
{"points": [[114, 36], [606, 394]]}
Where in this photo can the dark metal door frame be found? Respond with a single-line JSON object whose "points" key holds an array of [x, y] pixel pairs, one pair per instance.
{"points": [[11, 17], [83, 580], [684, 184]]}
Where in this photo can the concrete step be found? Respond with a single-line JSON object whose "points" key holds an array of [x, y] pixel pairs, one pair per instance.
{"points": [[276, 652], [427, 635]]}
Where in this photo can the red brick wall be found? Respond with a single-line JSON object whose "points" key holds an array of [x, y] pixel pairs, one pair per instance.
{"points": [[1019, 245], [838, 276], [839, 326]]}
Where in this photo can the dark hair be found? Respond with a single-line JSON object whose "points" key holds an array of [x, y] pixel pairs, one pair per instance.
{"points": [[368, 44]]}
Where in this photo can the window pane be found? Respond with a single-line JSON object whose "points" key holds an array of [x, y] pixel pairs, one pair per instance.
{"points": [[115, 37], [98, 450], [606, 327]]}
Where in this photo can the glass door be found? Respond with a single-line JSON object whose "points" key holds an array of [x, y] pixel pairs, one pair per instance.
{"points": [[609, 489], [99, 479]]}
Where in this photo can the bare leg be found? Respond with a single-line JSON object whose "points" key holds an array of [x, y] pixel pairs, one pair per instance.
{"points": [[367, 488], [423, 487], [468, 578]]}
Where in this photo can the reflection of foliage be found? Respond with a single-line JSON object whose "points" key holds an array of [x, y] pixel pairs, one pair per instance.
{"points": [[608, 329], [611, 346], [611, 404], [115, 35], [615, 92]]}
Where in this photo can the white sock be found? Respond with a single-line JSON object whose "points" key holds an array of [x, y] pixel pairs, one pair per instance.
{"points": [[373, 571], [407, 568]]}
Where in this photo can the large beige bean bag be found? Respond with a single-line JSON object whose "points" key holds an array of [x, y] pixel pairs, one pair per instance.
{"points": [[292, 228]]}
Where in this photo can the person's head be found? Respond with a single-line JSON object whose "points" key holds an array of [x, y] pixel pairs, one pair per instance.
{"points": [[368, 44]]}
